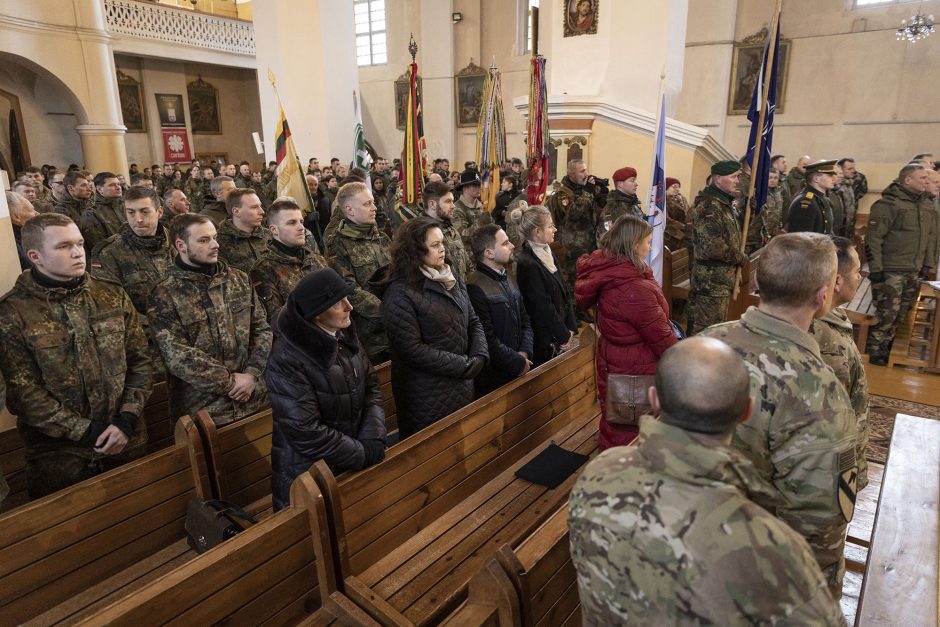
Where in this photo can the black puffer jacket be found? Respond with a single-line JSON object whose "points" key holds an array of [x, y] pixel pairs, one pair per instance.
{"points": [[325, 399], [437, 348]]}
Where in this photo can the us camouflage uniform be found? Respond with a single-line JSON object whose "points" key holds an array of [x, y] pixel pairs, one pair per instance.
{"points": [[811, 211], [359, 250], [801, 436], [209, 326], [849, 210], [666, 532], [858, 183], [102, 221], [239, 249], [215, 210], [73, 207], [74, 358], [677, 226], [833, 333], [575, 213], [468, 219], [618, 204], [457, 256], [279, 270], [716, 252]]}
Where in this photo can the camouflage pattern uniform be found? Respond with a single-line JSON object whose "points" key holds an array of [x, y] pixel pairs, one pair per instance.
{"points": [[468, 219], [765, 224], [810, 210], [838, 211], [358, 251], [279, 270], [846, 227], [796, 181], [215, 210], [574, 210], [336, 219], [716, 253], [74, 358], [833, 333], [239, 249], [197, 193], [458, 257], [677, 222], [801, 436], [102, 221], [859, 184], [666, 532], [618, 204], [900, 242], [209, 326], [73, 207]]}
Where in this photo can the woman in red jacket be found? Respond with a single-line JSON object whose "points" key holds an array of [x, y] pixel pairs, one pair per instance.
{"points": [[632, 314]]}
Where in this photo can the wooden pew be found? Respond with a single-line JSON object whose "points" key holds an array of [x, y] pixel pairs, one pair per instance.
{"points": [[67, 553], [676, 274], [13, 460], [904, 552], [447, 497], [239, 454], [747, 296], [266, 575]]}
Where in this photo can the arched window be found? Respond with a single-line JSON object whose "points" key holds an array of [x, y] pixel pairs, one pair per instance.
{"points": [[370, 32]]}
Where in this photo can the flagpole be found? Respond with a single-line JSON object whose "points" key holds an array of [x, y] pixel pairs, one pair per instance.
{"points": [[759, 139], [659, 114]]}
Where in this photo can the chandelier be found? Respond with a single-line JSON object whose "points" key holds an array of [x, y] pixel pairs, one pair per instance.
{"points": [[920, 27]]}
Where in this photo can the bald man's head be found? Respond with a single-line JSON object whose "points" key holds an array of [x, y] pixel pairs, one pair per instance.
{"points": [[703, 386]]}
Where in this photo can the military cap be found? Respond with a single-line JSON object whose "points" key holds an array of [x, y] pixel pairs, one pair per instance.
{"points": [[671, 181], [726, 167], [624, 173], [826, 166]]}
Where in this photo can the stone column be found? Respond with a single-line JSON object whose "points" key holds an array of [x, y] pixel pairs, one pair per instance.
{"points": [[103, 147]]}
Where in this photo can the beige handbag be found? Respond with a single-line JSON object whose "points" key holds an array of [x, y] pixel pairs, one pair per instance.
{"points": [[626, 399]]}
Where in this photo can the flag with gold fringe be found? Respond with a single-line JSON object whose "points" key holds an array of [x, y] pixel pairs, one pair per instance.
{"points": [[537, 133], [414, 162], [491, 137]]}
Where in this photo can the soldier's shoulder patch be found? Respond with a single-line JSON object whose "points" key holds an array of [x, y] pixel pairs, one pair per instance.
{"points": [[847, 483], [809, 195]]}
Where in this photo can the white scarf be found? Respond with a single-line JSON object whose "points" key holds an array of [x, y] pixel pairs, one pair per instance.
{"points": [[445, 277], [544, 254]]}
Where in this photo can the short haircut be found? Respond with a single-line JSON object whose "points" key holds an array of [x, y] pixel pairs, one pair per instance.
{"points": [[516, 161], [181, 224], [215, 186], [284, 203], [794, 266], [234, 199], [139, 192], [624, 236], [573, 165], [347, 191], [244, 163], [921, 155], [482, 239], [435, 190], [33, 170], [511, 178], [703, 386], [775, 157], [137, 178], [72, 176], [841, 162], [909, 170], [22, 183], [33, 232], [844, 247]]}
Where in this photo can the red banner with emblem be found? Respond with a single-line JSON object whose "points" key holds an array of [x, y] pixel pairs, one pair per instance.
{"points": [[176, 146]]}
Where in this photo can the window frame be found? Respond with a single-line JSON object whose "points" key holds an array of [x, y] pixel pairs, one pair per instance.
{"points": [[375, 49]]}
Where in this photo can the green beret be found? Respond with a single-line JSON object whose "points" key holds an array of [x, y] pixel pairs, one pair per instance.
{"points": [[724, 168]]}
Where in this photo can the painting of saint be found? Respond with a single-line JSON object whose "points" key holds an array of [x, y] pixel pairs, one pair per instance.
{"points": [[580, 17]]}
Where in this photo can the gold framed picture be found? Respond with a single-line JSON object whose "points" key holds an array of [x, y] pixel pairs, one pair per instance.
{"points": [[745, 69], [468, 92], [204, 108], [580, 17], [401, 99], [132, 103]]}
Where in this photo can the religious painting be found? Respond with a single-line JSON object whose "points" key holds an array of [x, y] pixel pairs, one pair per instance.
{"points": [[745, 69], [204, 108], [402, 87], [170, 108], [580, 17], [132, 103], [468, 86]]}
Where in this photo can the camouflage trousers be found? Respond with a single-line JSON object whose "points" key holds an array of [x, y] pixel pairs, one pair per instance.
{"points": [[51, 471], [893, 299], [709, 296]]}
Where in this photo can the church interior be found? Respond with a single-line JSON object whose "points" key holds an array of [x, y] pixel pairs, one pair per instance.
{"points": [[443, 531]]}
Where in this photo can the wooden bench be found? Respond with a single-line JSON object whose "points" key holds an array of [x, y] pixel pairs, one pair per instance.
{"points": [[239, 454], [266, 575], [411, 532], [904, 552], [13, 457], [67, 553], [676, 274]]}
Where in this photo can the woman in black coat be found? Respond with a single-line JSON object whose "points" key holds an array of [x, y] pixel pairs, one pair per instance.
{"points": [[325, 398], [543, 287], [436, 341]]}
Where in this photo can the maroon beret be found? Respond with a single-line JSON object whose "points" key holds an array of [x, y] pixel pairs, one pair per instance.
{"points": [[671, 181], [624, 173]]}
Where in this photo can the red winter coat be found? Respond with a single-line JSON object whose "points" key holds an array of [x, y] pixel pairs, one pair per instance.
{"points": [[633, 323]]}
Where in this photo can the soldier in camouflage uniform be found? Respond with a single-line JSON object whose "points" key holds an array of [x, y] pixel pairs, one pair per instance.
{"points": [[439, 205], [835, 201], [221, 187], [621, 201], [194, 190], [846, 194], [677, 216], [855, 179], [106, 217], [901, 246], [833, 333], [779, 163], [796, 179], [716, 248], [210, 327], [811, 209], [77, 197], [802, 435], [138, 258], [175, 202], [242, 238], [668, 531], [75, 362], [358, 251], [287, 259], [469, 214], [574, 210], [765, 223]]}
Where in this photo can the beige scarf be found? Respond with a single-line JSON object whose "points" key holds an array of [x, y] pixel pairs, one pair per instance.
{"points": [[445, 277], [544, 254]]}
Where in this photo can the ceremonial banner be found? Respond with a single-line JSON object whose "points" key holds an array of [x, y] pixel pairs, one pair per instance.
{"points": [[759, 177], [657, 195], [537, 133], [491, 138], [290, 177], [414, 162], [361, 156], [176, 146]]}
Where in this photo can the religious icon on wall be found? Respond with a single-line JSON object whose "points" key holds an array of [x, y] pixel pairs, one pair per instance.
{"points": [[132, 103], [745, 68], [580, 17], [402, 86], [170, 108], [204, 107], [468, 88]]}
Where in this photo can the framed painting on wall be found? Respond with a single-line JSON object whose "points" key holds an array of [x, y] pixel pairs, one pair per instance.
{"points": [[132, 103], [468, 92], [401, 99], [204, 108], [745, 68], [580, 17]]}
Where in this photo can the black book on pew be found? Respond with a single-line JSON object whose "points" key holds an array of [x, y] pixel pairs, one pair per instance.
{"points": [[552, 466]]}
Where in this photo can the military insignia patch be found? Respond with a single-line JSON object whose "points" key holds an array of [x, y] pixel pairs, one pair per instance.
{"points": [[848, 482]]}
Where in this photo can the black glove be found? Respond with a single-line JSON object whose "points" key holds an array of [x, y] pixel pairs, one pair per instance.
{"points": [[126, 422], [94, 430], [474, 366], [876, 277], [374, 450], [925, 272]]}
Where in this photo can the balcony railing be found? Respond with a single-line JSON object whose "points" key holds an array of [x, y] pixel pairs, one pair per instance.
{"points": [[158, 22]]}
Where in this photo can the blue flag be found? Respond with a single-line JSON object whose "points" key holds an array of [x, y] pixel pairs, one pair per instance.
{"points": [[753, 114], [657, 196]]}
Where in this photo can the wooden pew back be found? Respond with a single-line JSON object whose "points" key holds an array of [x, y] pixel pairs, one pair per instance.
{"points": [[676, 274]]}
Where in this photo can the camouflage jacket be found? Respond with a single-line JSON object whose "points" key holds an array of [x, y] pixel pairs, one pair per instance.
{"points": [[575, 213], [277, 273], [838, 211], [859, 184], [336, 219], [70, 356], [468, 219], [849, 208], [796, 181], [136, 263], [618, 204], [677, 222], [833, 333], [458, 257], [666, 532], [102, 221], [357, 252], [801, 435], [901, 233], [209, 326], [197, 193], [239, 249], [716, 238], [73, 208], [764, 224], [215, 210]]}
